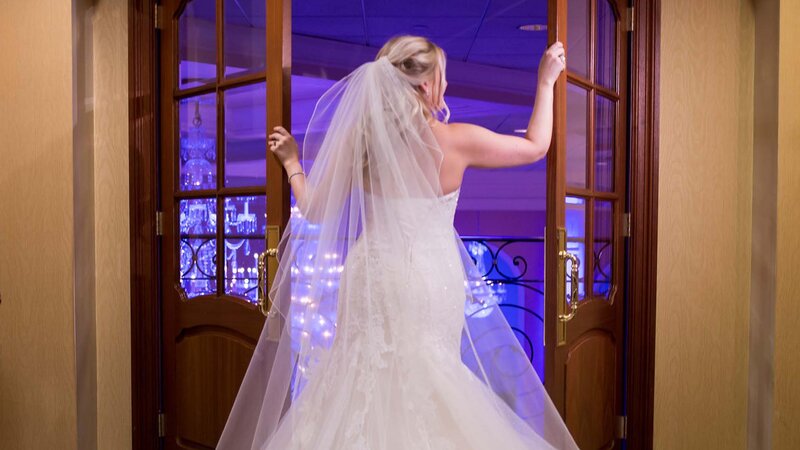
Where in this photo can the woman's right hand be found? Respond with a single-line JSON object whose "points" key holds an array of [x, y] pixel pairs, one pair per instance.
{"points": [[283, 145], [552, 64]]}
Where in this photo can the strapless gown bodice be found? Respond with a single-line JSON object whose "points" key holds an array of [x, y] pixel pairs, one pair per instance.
{"points": [[416, 220]]}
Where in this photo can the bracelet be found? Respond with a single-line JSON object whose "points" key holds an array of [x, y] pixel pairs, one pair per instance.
{"points": [[296, 173]]}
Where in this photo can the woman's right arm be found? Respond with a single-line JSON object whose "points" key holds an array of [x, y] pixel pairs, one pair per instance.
{"points": [[480, 147], [284, 146]]}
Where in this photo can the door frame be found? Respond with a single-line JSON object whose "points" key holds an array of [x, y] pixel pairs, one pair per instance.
{"points": [[143, 117], [640, 286]]}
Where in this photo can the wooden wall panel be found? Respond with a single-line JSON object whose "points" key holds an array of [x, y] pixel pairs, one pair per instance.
{"points": [[37, 337], [705, 186], [83, 213], [762, 267], [786, 415], [112, 223], [64, 246]]}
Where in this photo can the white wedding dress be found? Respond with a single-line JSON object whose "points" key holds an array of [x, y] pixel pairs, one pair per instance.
{"points": [[403, 385], [382, 334]]}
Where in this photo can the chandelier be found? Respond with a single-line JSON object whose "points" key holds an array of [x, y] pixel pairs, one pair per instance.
{"points": [[198, 154]]}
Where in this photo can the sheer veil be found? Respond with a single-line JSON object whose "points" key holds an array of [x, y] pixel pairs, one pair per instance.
{"points": [[374, 181]]}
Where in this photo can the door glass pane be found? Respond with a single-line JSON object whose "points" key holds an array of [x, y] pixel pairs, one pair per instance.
{"points": [[604, 141], [197, 149], [245, 227], [245, 135], [603, 247], [245, 36], [577, 136], [606, 45], [198, 246], [577, 44], [576, 239], [197, 44]]}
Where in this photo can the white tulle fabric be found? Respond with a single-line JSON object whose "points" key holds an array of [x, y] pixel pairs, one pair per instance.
{"points": [[382, 333]]}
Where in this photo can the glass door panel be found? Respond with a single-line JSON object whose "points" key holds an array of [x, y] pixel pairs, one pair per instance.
{"points": [[576, 241], [577, 135], [244, 35], [198, 246], [577, 45], [221, 149], [603, 247], [591, 141], [197, 44], [605, 45], [245, 227], [246, 135], [197, 144], [605, 129]]}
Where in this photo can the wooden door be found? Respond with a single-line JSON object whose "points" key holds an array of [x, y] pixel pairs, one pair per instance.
{"points": [[224, 81], [585, 206]]}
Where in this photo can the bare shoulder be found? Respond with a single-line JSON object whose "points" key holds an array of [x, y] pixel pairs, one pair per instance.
{"points": [[481, 147], [458, 136], [457, 130]]}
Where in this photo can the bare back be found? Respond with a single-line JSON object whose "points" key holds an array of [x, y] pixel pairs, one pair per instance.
{"points": [[453, 165]]}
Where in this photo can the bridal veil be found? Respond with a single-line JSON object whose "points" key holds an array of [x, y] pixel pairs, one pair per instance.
{"points": [[373, 152]]}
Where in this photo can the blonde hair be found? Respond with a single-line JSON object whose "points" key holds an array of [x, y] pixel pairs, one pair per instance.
{"points": [[420, 60]]}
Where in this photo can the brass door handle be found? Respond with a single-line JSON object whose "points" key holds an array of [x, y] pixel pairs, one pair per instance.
{"points": [[263, 288], [573, 281]]}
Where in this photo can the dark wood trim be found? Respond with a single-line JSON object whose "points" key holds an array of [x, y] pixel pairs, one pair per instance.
{"points": [[578, 80], [556, 214], [279, 98], [222, 84], [143, 134], [168, 111], [221, 192], [641, 314]]}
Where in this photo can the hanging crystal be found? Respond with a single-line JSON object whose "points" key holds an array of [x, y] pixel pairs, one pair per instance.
{"points": [[199, 155]]}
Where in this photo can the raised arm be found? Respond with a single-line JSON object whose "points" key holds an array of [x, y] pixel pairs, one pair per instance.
{"points": [[480, 147]]}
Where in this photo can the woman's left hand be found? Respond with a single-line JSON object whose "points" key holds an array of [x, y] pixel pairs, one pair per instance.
{"points": [[283, 145], [552, 64]]}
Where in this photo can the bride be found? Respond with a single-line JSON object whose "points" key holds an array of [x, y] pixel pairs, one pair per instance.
{"points": [[381, 332]]}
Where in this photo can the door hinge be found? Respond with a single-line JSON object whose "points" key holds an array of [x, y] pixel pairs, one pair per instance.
{"points": [[162, 427], [622, 427], [626, 225], [629, 19], [158, 17], [159, 223]]}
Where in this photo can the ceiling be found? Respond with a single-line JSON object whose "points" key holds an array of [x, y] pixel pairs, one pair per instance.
{"points": [[476, 31], [491, 62]]}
